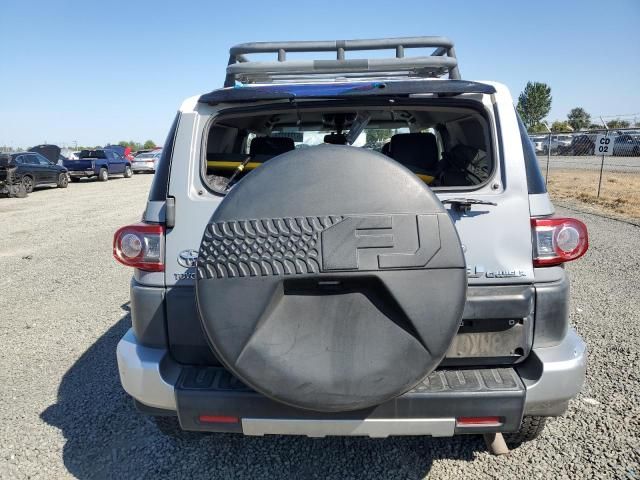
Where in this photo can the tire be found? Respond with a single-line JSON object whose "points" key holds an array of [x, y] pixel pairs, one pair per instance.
{"points": [[75, 179], [103, 175], [395, 331], [170, 427], [63, 180], [128, 173], [530, 428], [28, 183]]}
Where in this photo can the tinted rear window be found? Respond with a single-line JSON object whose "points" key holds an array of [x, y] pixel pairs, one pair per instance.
{"points": [[160, 185], [92, 154], [535, 180]]}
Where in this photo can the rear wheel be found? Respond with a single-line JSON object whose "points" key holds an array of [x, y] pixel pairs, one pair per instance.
{"points": [[530, 428], [63, 180], [127, 172], [103, 176], [27, 183]]}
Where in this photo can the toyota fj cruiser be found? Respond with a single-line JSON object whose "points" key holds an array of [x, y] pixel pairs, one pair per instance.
{"points": [[350, 247]]}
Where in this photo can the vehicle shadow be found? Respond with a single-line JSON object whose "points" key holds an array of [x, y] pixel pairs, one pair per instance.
{"points": [[107, 438]]}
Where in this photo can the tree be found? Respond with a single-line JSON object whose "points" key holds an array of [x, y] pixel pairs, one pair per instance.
{"points": [[538, 128], [559, 126], [534, 103], [578, 118], [149, 144], [617, 123]]}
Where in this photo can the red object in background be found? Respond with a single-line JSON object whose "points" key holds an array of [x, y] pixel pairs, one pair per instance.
{"points": [[127, 154]]}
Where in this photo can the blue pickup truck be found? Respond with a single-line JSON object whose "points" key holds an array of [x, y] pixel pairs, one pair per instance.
{"points": [[101, 164]]}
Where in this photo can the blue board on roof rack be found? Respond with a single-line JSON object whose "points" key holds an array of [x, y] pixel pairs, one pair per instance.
{"points": [[343, 90]]}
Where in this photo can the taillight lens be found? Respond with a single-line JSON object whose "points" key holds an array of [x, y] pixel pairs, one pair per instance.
{"points": [[558, 240], [140, 246]]}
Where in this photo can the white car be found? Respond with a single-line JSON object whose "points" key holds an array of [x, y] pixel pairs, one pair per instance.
{"points": [[146, 162], [556, 142]]}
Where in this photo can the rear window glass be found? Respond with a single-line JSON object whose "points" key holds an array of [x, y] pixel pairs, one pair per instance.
{"points": [[92, 154], [444, 146], [535, 180]]}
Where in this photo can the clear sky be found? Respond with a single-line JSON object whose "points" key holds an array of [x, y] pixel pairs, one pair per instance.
{"points": [[103, 71]]}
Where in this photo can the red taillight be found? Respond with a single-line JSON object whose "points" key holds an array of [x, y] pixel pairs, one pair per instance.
{"points": [[478, 421], [558, 240], [140, 246], [217, 419]]}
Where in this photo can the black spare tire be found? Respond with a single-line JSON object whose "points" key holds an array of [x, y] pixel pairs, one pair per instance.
{"points": [[331, 279]]}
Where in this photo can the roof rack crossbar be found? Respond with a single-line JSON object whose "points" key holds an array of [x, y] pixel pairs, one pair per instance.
{"points": [[441, 61]]}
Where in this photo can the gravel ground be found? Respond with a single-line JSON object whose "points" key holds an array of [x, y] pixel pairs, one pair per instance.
{"points": [[63, 414]]}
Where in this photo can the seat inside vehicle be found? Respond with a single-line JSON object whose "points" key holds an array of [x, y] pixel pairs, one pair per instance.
{"points": [[416, 151], [446, 146]]}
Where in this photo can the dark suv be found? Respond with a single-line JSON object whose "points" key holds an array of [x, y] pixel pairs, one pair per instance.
{"points": [[33, 170]]}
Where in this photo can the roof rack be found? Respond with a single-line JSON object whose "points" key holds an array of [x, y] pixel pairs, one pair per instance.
{"points": [[441, 61]]}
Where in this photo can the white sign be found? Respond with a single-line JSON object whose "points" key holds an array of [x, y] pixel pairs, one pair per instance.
{"points": [[604, 145]]}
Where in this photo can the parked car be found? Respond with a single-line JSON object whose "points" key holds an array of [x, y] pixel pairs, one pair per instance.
{"points": [[626, 145], [146, 162], [33, 170], [580, 145], [10, 185], [326, 290], [538, 142], [122, 151], [147, 150], [556, 143], [101, 163]]}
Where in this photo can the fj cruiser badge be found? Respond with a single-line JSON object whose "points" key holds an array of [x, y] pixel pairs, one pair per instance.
{"points": [[304, 245], [478, 271]]}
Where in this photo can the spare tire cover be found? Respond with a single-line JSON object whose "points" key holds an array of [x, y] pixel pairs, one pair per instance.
{"points": [[331, 279]]}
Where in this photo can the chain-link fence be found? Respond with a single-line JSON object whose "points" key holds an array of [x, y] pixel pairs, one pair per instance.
{"points": [[601, 168]]}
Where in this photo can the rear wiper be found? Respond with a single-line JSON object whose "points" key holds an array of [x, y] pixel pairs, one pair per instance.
{"points": [[464, 204]]}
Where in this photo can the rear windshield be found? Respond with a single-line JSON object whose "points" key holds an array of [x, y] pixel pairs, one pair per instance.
{"points": [[143, 156], [444, 146], [92, 154]]}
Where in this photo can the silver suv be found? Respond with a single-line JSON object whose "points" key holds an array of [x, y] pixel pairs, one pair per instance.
{"points": [[350, 247]]}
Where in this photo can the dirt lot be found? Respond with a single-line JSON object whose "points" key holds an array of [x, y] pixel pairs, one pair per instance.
{"points": [[64, 306], [619, 192]]}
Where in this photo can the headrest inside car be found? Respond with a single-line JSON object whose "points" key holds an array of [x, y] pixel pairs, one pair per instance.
{"points": [[271, 145], [415, 150]]}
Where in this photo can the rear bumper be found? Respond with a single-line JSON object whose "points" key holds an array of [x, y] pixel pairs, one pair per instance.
{"points": [[142, 168], [542, 385], [554, 375], [81, 173]]}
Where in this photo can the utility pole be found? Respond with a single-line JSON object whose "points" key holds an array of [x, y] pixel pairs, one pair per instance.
{"points": [[546, 176], [602, 160]]}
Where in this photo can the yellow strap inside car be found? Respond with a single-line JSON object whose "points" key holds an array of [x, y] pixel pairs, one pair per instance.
{"points": [[226, 165]]}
